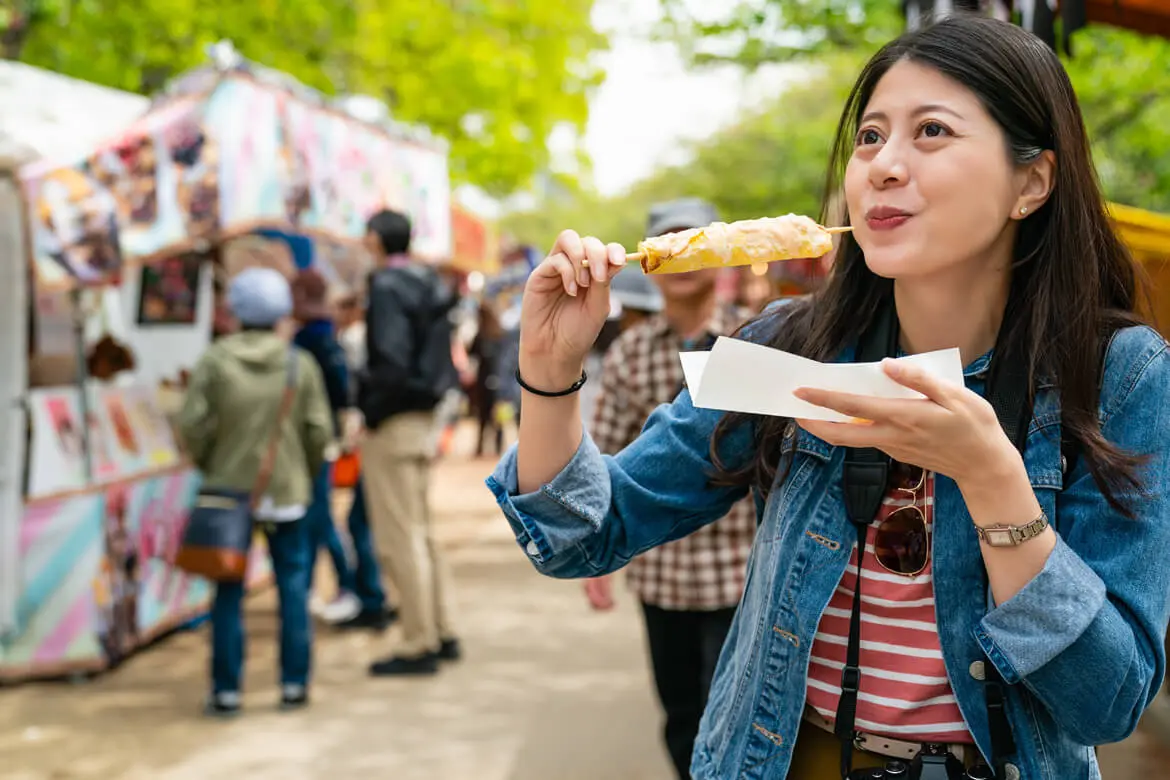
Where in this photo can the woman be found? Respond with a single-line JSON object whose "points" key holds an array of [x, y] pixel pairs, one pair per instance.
{"points": [[227, 420], [978, 222]]}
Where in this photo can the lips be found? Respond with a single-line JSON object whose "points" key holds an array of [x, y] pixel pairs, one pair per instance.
{"points": [[886, 217]]}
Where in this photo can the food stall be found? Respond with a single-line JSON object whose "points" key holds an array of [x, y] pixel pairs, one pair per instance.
{"points": [[125, 246]]}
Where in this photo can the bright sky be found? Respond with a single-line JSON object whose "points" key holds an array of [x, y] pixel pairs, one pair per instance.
{"points": [[650, 101]]}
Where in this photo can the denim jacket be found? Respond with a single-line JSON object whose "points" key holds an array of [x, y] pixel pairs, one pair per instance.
{"points": [[1080, 647]]}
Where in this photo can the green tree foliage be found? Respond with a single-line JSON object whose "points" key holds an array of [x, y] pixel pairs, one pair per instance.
{"points": [[494, 77], [1122, 78]]}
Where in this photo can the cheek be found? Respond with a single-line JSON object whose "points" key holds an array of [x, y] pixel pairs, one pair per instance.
{"points": [[969, 200], [855, 184]]}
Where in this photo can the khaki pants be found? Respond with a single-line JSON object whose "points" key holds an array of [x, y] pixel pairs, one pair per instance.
{"points": [[396, 464]]}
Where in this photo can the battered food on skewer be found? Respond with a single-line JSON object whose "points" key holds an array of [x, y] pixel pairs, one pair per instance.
{"points": [[748, 242]]}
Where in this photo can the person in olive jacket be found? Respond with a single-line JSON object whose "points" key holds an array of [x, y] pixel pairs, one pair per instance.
{"points": [[226, 423]]}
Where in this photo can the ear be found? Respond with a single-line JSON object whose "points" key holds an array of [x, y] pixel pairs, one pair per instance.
{"points": [[1039, 177]]}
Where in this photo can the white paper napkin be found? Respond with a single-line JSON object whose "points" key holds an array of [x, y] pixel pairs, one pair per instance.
{"points": [[738, 376]]}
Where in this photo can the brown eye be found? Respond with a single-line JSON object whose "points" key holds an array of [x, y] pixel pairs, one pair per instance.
{"points": [[934, 130], [868, 136]]}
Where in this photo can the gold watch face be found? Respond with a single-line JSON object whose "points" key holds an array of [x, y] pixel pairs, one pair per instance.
{"points": [[1000, 537]]}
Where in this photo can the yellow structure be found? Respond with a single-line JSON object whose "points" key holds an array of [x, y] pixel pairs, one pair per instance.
{"points": [[1148, 236]]}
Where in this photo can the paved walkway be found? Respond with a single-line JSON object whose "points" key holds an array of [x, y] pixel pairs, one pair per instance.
{"points": [[549, 691]]}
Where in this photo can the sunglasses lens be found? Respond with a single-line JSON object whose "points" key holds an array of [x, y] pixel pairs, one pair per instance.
{"points": [[901, 543]]}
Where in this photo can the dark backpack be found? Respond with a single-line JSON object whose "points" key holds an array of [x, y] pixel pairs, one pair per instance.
{"points": [[434, 331]]}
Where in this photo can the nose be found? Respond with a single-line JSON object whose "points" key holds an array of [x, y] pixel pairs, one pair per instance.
{"points": [[888, 167]]}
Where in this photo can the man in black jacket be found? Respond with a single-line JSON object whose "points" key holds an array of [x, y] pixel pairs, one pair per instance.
{"points": [[409, 369]]}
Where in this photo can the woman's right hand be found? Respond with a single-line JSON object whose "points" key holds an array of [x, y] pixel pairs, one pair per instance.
{"points": [[566, 303]]}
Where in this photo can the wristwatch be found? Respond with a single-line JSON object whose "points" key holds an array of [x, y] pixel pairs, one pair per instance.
{"points": [[1012, 535]]}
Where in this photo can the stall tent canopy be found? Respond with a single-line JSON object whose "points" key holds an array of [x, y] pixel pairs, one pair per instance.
{"points": [[53, 116]]}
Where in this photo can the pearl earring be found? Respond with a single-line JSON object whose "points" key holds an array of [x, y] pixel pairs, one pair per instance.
{"points": [[1023, 210]]}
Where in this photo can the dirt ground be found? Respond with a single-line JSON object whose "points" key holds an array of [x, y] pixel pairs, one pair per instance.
{"points": [[548, 690]]}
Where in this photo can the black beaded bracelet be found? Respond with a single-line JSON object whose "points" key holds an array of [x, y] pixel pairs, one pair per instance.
{"points": [[558, 394]]}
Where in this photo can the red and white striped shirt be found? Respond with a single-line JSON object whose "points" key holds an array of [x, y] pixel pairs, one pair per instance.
{"points": [[904, 690]]}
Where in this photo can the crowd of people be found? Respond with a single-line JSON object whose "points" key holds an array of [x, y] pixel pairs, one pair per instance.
{"points": [[371, 376]]}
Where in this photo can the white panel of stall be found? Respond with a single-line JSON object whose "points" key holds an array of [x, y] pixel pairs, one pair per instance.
{"points": [[13, 380], [162, 350]]}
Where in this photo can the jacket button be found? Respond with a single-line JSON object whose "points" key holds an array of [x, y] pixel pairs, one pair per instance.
{"points": [[977, 670], [532, 549], [1011, 772]]}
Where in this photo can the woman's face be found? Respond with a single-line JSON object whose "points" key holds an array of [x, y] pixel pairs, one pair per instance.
{"points": [[930, 185]]}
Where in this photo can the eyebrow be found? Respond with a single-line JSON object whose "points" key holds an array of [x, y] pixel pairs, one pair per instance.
{"points": [[929, 108]]}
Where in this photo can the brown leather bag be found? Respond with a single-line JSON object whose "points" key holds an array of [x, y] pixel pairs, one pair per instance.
{"points": [[218, 534]]}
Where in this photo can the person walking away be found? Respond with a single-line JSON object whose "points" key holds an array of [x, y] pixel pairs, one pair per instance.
{"points": [[318, 336], [485, 349], [688, 588], [409, 370], [226, 421]]}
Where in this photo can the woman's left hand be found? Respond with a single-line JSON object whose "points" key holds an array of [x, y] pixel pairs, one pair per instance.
{"points": [[952, 431]]}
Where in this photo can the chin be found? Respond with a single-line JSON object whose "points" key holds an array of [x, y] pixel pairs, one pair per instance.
{"points": [[896, 259]]}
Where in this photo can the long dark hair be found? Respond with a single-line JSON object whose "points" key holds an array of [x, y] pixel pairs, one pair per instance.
{"points": [[1073, 282]]}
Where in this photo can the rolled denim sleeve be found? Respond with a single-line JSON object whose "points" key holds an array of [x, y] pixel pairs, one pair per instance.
{"points": [[601, 511], [1086, 635], [550, 523]]}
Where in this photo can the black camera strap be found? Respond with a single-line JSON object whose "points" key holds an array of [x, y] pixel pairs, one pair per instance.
{"points": [[864, 481]]}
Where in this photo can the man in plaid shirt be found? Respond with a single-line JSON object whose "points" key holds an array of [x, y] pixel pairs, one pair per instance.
{"points": [[689, 588]]}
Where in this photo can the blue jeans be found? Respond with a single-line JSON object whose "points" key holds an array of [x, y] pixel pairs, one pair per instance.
{"points": [[323, 533], [367, 574], [288, 545]]}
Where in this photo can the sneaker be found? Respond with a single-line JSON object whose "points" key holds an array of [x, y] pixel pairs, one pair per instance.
{"points": [[317, 606], [225, 704], [375, 619], [293, 697], [450, 650], [345, 607], [399, 666]]}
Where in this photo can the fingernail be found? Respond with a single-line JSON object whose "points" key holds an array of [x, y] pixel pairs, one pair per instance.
{"points": [[860, 421], [573, 289]]}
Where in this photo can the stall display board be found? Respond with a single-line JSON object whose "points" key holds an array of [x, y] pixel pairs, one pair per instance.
{"points": [[129, 436], [243, 156], [96, 576]]}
